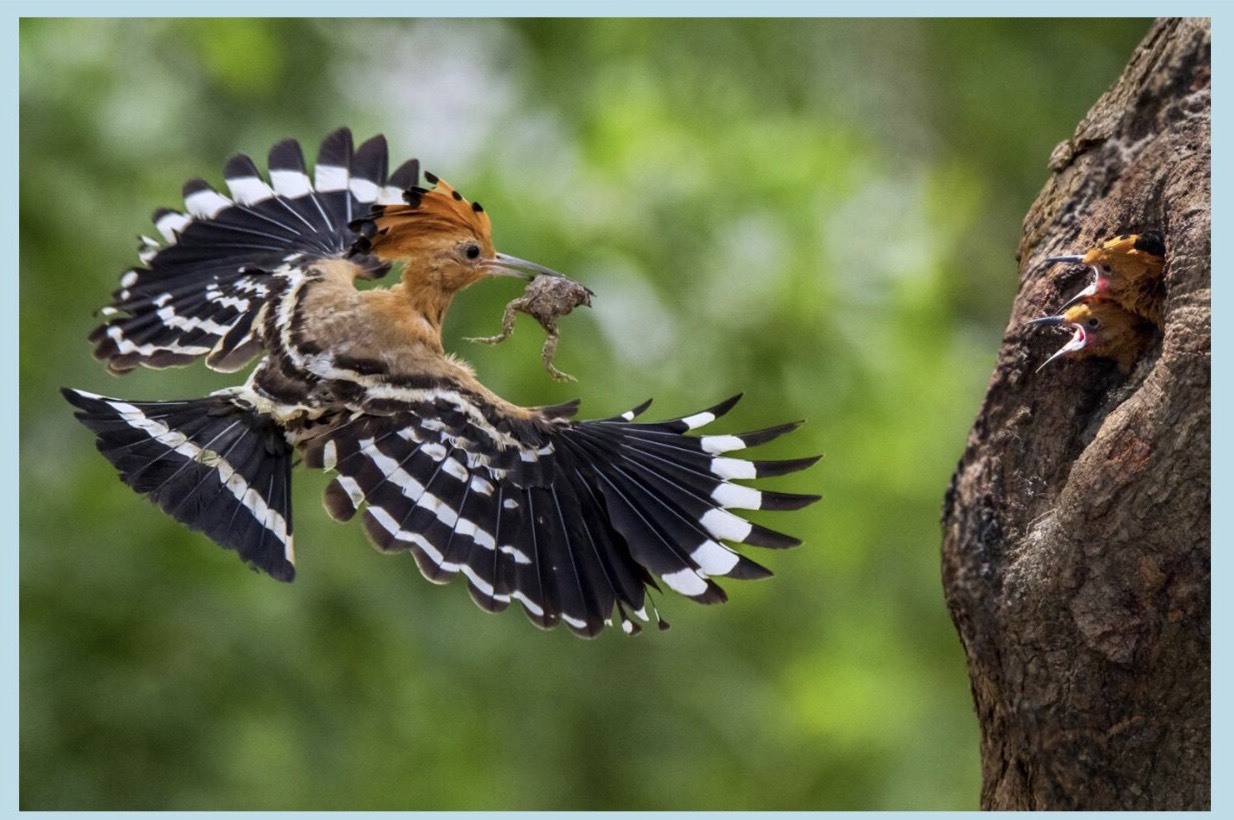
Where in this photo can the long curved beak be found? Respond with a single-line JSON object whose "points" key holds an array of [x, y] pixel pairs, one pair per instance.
{"points": [[1091, 290], [506, 265], [1073, 259], [1078, 340]]}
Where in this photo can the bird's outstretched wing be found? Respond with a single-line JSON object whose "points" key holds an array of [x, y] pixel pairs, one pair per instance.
{"points": [[213, 464], [570, 519], [199, 291]]}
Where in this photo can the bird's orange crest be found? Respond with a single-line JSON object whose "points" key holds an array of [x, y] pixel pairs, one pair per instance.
{"points": [[1129, 255], [389, 229]]}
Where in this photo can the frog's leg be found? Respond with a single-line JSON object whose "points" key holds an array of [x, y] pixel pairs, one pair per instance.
{"points": [[507, 326], [550, 348]]}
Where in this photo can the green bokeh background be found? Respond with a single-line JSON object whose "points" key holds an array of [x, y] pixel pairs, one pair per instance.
{"points": [[822, 214]]}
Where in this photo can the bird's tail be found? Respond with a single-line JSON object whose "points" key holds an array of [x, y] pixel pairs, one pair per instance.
{"points": [[214, 464]]}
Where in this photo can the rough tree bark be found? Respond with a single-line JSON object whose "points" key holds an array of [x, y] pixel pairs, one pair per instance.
{"points": [[1076, 530]]}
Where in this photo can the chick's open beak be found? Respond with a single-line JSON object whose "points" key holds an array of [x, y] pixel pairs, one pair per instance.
{"points": [[1091, 290], [1078, 340]]}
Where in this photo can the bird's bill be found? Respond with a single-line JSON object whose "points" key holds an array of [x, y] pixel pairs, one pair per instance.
{"points": [[1091, 290], [506, 265], [1073, 259], [1078, 340]]}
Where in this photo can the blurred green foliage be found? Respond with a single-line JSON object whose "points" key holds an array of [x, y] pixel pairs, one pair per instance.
{"points": [[820, 213]]}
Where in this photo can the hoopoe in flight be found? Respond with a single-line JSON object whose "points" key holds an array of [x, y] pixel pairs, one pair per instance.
{"points": [[571, 519], [1118, 313]]}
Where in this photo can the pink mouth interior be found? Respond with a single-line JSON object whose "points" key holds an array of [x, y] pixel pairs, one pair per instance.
{"points": [[1078, 340]]}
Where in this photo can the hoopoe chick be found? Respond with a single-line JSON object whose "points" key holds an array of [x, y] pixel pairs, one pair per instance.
{"points": [[574, 520], [546, 299], [1103, 329], [1126, 270]]}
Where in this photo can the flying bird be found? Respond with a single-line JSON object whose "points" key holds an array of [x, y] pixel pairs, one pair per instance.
{"points": [[573, 520]]}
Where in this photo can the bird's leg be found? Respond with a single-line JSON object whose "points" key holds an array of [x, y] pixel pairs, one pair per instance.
{"points": [[507, 326], [550, 347]]}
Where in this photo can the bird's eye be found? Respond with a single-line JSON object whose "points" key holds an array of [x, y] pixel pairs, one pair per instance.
{"points": [[1106, 268], [472, 251], [1094, 323]]}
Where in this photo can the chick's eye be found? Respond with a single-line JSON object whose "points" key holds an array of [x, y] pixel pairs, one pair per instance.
{"points": [[471, 251], [1105, 268], [1094, 323]]}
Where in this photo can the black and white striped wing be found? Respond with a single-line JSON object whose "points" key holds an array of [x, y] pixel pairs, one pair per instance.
{"points": [[570, 519], [214, 464], [198, 291]]}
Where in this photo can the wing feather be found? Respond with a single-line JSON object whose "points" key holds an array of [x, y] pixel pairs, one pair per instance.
{"points": [[571, 519]]}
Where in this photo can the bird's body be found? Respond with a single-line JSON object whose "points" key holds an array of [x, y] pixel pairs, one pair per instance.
{"points": [[569, 518]]}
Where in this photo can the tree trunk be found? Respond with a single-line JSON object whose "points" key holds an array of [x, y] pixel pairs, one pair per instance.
{"points": [[1076, 529]]}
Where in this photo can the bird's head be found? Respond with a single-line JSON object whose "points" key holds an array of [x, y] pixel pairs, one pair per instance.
{"points": [[1118, 263], [445, 242], [1102, 329]]}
